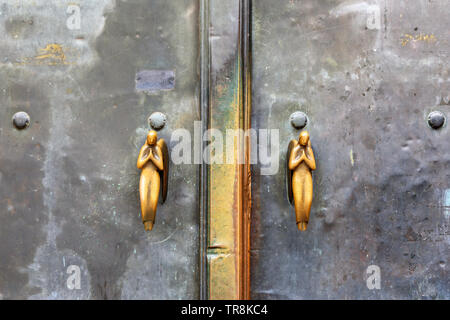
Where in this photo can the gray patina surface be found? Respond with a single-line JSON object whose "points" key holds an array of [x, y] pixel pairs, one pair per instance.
{"points": [[69, 182], [382, 190], [367, 74]]}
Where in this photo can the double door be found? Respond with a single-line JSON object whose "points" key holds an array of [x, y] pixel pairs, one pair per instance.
{"points": [[370, 79]]}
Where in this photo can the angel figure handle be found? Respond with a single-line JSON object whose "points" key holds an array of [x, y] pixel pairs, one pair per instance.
{"points": [[153, 160], [300, 164]]}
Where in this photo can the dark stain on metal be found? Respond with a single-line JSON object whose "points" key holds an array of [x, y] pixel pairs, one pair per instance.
{"points": [[436, 119], [21, 120], [155, 80]]}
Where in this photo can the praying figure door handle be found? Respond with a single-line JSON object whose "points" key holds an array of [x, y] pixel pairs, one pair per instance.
{"points": [[300, 163], [154, 162]]}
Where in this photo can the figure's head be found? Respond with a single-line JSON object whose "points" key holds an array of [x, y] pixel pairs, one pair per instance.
{"points": [[151, 138], [303, 138]]}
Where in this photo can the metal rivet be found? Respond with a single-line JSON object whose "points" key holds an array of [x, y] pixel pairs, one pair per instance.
{"points": [[157, 120], [436, 119], [21, 120], [299, 120]]}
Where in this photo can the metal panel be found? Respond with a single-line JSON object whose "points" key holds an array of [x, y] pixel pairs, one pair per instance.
{"points": [[228, 181], [69, 183], [367, 73]]}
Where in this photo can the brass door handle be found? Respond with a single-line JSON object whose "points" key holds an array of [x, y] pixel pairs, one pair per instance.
{"points": [[300, 162], [154, 162]]}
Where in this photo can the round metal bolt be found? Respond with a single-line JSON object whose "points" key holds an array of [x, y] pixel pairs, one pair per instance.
{"points": [[21, 120], [299, 120], [157, 120], [436, 119]]}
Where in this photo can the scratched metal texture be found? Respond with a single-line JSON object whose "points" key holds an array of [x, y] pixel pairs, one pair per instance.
{"points": [[382, 184], [69, 183]]}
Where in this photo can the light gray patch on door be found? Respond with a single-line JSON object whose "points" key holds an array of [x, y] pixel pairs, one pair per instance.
{"points": [[152, 81]]}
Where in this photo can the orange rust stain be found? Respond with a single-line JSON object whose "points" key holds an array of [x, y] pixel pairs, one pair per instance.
{"points": [[407, 38], [51, 55]]}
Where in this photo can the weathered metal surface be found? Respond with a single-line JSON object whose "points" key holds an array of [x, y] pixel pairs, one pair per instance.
{"points": [[228, 194], [69, 183], [246, 173], [298, 120], [367, 74], [204, 68], [223, 225]]}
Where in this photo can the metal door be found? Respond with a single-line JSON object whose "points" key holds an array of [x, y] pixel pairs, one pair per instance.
{"points": [[89, 74], [367, 74]]}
